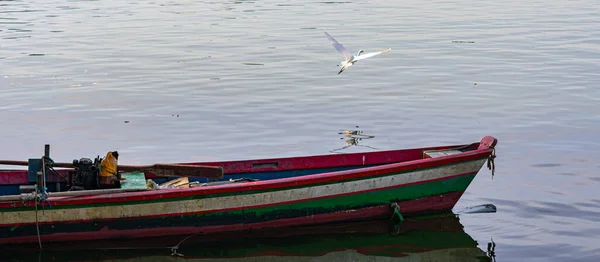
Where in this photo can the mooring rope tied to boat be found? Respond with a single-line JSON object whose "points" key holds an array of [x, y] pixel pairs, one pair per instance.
{"points": [[41, 197], [490, 163], [396, 212], [175, 247], [37, 224]]}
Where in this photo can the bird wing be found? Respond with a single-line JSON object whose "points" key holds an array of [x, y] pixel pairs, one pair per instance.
{"points": [[339, 47], [371, 54]]}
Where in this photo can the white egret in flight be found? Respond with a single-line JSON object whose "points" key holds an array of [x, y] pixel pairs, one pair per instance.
{"points": [[350, 59]]}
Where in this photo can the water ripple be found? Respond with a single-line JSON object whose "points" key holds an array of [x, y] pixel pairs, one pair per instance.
{"points": [[252, 79]]}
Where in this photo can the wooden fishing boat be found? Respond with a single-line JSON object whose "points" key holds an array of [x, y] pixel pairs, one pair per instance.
{"points": [[432, 238], [250, 195]]}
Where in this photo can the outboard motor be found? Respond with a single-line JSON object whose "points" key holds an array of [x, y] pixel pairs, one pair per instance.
{"points": [[86, 174]]}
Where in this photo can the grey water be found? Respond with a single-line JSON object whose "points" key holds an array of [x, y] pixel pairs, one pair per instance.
{"points": [[188, 80]]}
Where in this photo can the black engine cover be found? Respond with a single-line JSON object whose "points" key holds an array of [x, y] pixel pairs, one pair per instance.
{"points": [[86, 174]]}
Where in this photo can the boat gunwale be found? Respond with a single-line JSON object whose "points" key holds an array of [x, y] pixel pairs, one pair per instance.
{"points": [[308, 158]]}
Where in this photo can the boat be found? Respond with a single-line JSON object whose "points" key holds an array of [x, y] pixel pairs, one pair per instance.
{"points": [[247, 195], [440, 237]]}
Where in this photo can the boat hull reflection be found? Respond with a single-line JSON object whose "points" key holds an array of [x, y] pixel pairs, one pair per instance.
{"points": [[437, 238]]}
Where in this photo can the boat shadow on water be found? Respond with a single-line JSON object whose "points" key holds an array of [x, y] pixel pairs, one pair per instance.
{"points": [[431, 238]]}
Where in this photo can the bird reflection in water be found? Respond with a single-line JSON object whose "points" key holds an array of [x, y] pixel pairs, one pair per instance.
{"points": [[352, 138]]}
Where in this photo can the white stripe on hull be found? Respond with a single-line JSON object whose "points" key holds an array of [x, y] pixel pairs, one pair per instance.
{"points": [[236, 201]]}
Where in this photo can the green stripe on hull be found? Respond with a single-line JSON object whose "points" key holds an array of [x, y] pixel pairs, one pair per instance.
{"points": [[311, 207]]}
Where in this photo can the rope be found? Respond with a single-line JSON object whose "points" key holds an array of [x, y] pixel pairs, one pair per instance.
{"points": [[44, 192], [37, 225], [28, 197], [48, 161], [43, 172], [491, 252], [42, 197], [490, 162], [174, 248], [396, 212], [396, 219]]}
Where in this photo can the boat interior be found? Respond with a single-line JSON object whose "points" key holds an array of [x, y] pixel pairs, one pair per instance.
{"points": [[21, 181]]}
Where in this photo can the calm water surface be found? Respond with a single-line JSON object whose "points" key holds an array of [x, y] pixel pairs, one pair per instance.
{"points": [[176, 81]]}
